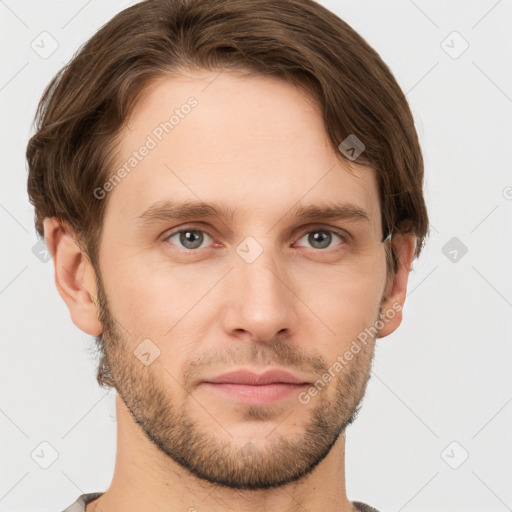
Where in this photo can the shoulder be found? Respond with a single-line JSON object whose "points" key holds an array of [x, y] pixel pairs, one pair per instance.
{"points": [[81, 502], [363, 507]]}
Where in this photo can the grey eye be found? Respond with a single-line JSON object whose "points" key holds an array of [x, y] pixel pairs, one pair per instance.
{"points": [[321, 238], [189, 238]]}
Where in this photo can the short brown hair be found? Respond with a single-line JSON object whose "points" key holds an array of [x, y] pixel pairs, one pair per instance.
{"points": [[86, 104]]}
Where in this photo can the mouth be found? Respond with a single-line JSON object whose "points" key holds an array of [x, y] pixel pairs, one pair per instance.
{"points": [[257, 389]]}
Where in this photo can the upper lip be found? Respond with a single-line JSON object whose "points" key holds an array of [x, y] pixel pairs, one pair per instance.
{"points": [[249, 377]]}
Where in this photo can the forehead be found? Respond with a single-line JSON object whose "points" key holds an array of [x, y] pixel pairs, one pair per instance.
{"points": [[256, 143]]}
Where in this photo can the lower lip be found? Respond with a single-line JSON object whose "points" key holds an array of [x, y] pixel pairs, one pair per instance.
{"points": [[257, 395]]}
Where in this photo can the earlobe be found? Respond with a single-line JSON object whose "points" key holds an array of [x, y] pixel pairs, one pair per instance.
{"points": [[74, 276], [391, 312]]}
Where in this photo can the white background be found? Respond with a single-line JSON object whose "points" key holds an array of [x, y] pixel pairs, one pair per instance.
{"points": [[444, 376]]}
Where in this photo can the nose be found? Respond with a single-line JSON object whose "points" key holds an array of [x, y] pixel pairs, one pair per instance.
{"points": [[261, 304]]}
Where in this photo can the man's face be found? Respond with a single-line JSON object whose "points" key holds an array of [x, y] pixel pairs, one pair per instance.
{"points": [[293, 296]]}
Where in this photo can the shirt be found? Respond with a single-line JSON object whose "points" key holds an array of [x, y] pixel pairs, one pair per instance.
{"points": [[81, 502]]}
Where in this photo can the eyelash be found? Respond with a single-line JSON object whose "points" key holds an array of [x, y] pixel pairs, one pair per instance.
{"points": [[345, 238]]}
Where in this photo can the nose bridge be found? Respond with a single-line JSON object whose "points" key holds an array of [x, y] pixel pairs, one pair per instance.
{"points": [[264, 304], [260, 271]]}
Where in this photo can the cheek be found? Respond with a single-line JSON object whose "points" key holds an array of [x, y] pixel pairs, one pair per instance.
{"points": [[133, 291], [156, 300], [348, 308], [346, 303]]}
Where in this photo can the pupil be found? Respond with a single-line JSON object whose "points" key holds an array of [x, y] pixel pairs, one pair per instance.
{"points": [[320, 239], [187, 239]]}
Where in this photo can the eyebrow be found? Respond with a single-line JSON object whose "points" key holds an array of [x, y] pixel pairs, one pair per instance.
{"points": [[172, 210]]}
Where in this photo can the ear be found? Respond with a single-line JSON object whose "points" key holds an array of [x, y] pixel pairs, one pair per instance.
{"points": [[396, 289], [74, 276]]}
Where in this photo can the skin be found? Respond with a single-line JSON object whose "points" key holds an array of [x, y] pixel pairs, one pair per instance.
{"points": [[258, 145]]}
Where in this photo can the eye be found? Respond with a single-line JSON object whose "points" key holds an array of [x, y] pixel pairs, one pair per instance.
{"points": [[322, 238], [189, 238]]}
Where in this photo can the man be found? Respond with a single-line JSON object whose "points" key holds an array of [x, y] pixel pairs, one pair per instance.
{"points": [[231, 192]]}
